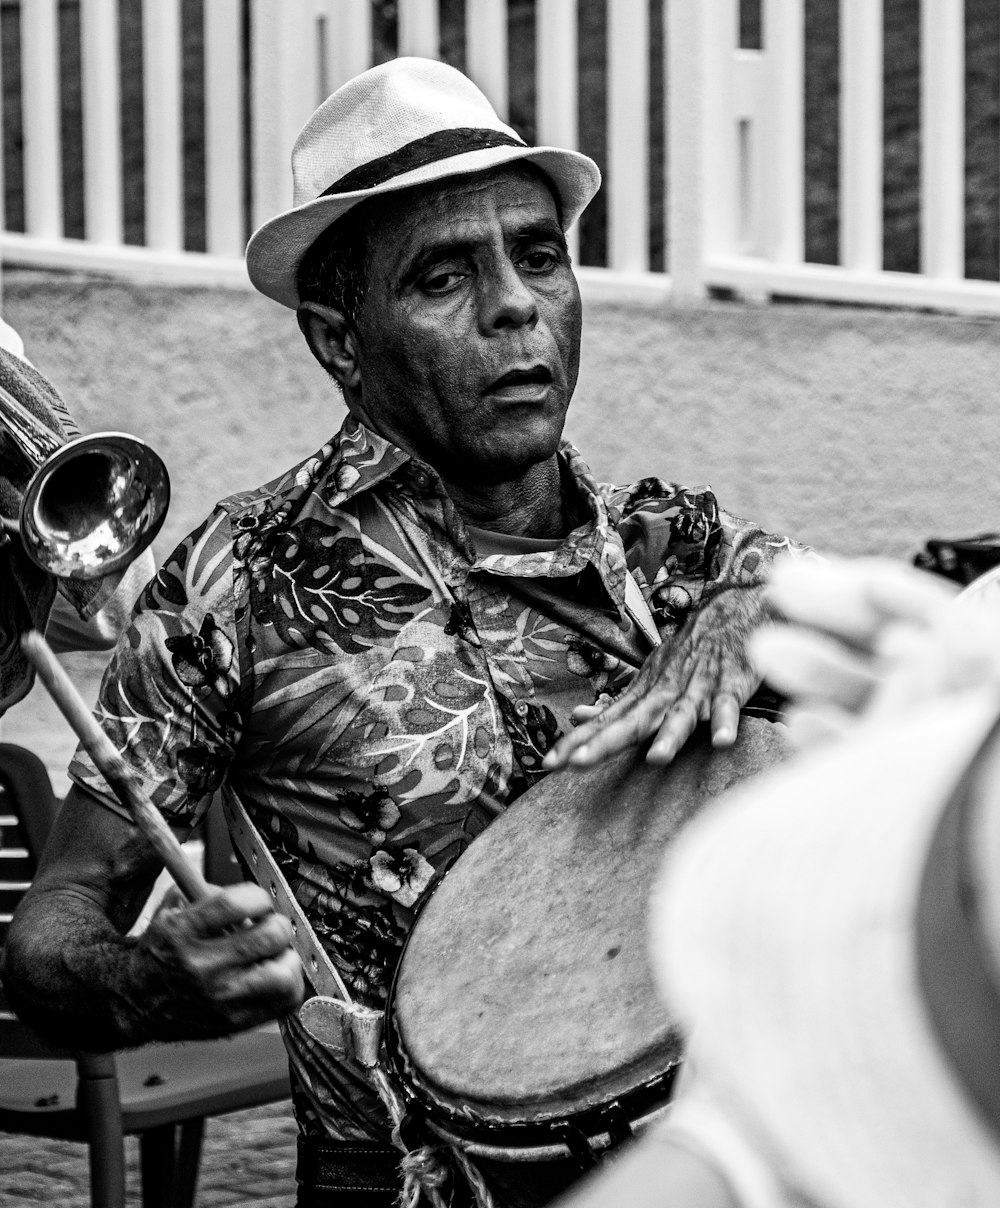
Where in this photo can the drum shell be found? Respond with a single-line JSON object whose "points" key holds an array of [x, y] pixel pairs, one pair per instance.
{"points": [[524, 1000]]}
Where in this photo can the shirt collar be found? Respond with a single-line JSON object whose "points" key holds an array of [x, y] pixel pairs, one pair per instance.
{"points": [[360, 460]]}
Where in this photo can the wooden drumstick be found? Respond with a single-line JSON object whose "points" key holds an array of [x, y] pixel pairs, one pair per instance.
{"points": [[121, 780]]}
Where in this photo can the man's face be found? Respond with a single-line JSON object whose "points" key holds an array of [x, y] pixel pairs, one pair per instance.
{"points": [[469, 334]]}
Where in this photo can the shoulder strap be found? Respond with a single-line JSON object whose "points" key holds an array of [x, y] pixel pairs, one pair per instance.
{"points": [[638, 610], [320, 970]]}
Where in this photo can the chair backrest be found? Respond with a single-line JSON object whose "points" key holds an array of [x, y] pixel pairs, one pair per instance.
{"points": [[28, 808]]}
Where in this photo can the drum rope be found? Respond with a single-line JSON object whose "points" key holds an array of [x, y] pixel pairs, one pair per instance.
{"points": [[426, 1169]]}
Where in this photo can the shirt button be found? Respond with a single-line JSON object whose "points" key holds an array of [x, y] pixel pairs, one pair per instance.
{"points": [[521, 708]]}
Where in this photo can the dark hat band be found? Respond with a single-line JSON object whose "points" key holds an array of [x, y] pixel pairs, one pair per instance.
{"points": [[442, 144]]}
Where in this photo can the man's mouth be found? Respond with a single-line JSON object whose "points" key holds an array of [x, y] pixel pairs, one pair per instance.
{"points": [[522, 385]]}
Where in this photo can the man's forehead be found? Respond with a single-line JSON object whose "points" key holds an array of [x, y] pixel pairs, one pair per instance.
{"points": [[460, 203]]}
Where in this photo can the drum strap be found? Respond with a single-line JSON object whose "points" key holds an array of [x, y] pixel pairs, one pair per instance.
{"points": [[349, 1029], [638, 611], [333, 1009]]}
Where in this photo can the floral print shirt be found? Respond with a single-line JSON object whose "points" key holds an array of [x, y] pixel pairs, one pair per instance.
{"points": [[332, 647]]}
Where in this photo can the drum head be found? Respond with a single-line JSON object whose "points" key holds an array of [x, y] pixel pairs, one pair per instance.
{"points": [[524, 992]]}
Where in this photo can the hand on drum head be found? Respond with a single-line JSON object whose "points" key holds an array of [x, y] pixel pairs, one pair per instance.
{"points": [[868, 637], [703, 674]]}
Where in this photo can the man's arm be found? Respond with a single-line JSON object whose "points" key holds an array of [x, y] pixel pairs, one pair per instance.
{"points": [[654, 1172], [72, 972], [703, 671]]}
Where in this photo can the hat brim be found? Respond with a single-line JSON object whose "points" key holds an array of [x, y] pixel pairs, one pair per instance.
{"points": [[783, 933], [276, 248]]}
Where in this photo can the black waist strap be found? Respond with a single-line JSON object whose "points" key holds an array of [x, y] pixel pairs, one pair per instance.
{"points": [[347, 1166]]}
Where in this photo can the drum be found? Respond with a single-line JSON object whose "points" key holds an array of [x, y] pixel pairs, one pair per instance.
{"points": [[523, 1025]]}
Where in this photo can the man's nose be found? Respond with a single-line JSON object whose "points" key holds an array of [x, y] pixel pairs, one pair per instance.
{"points": [[505, 299]]}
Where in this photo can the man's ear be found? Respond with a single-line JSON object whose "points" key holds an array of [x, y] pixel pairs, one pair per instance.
{"points": [[333, 342]]}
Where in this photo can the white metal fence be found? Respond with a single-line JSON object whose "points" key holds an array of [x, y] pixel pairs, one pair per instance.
{"points": [[703, 143]]}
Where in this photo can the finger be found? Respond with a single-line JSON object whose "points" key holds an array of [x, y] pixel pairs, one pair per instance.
{"points": [[852, 599], [583, 713], [601, 737], [229, 908], [587, 728], [807, 726], [677, 728], [263, 940], [725, 719], [810, 666], [268, 987]]}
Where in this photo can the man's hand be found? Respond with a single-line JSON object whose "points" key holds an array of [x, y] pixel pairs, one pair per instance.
{"points": [[222, 964], [702, 674], [868, 637]]}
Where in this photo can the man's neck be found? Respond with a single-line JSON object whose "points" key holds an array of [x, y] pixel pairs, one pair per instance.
{"points": [[531, 506]]}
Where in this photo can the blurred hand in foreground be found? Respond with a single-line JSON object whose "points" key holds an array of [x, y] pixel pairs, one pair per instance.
{"points": [[868, 637], [704, 673]]}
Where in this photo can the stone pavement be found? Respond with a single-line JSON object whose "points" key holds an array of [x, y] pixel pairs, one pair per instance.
{"points": [[248, 1158]]}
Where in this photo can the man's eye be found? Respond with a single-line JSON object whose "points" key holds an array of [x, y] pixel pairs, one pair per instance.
{"points": [[440, 281], [539, 259]]}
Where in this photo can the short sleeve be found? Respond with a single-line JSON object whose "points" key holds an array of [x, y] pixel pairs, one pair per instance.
{"points": [[170, 698]]}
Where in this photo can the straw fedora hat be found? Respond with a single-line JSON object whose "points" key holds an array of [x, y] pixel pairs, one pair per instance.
{"points": [[404, 123], [830, 937]]}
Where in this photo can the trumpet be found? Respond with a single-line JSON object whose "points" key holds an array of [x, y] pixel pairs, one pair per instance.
{"points": [[90, 505]]}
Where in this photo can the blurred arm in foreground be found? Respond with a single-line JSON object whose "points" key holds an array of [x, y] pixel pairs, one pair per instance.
{"points": [[866, 638], [828, 934]]}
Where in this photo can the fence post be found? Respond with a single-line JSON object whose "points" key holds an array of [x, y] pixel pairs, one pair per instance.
{"points": [[783, 201], [224, 137], [102, 177], [942, 142], [688, 88], [161, 62], [419, 28], [349, 41], [43, 210], [486, 49], [628, 135], [283, 92], [557, 82], [861, 135], [3, 211]]}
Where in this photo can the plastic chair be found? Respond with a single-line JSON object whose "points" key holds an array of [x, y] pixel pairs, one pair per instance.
{"points": [[161, 1093]]}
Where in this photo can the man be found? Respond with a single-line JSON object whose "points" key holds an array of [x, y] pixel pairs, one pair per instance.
{"points": [[381, 649], [829, 935]]}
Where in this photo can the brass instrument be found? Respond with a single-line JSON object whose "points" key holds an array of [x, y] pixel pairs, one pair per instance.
{"points": [[90, 505]]}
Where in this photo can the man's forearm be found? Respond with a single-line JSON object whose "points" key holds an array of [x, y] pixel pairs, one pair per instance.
{"points": [[80, 983]]}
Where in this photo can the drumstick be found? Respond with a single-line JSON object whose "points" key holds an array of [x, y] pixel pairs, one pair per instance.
{"points": [[121, 779]]}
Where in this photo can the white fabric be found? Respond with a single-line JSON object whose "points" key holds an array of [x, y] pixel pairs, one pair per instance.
{"points": [[782, 937], [698, 1123]]}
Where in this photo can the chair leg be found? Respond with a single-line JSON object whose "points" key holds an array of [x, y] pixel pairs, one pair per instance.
{"points": [[188, 1160], [157, 1157], [99, 1106]]}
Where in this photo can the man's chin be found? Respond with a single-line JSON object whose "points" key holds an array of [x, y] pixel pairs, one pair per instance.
{"points": [[494, 463]]}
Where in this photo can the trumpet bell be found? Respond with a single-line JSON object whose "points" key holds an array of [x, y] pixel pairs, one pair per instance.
{"points": [[94, 505]]}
